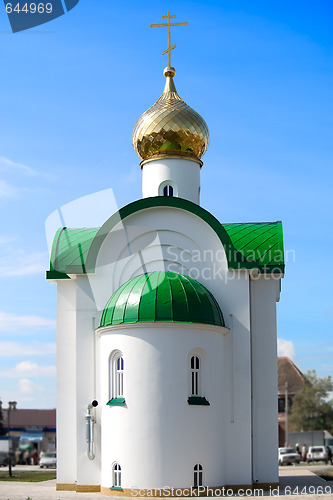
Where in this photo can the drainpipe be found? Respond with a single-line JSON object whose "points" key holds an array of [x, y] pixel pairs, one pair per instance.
{"points": [[90, 422], [253, 434]]}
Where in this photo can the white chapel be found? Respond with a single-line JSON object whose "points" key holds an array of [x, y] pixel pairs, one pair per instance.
{"points": [[166, 330]]}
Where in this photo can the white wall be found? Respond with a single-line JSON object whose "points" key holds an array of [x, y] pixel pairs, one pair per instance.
{"points": [[88, 471], [264, 293], [184, 173], [157, 438], [235, 299], [76, 382], [66, 381]]}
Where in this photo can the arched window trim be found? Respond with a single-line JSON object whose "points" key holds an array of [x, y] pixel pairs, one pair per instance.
{"points": [[198, 472], [165, 188], [116, 476], [116, 379]]}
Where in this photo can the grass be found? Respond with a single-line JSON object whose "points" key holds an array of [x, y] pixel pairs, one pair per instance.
{"points": [[33, 476]]}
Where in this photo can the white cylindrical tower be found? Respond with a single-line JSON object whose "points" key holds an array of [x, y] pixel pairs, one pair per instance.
{"points": [[178, 177], [170, 138], [163, 389]]}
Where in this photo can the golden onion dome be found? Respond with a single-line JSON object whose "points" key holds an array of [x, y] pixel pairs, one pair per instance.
{"points": [[170, 128]]}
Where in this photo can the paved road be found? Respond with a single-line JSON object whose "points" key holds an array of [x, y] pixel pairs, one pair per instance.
{"points": [[295, 482]]}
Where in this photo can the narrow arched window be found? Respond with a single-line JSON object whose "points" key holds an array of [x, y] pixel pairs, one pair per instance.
{"points": [[197, 473], [116, 384], [119, 377], [195, 376], [196, 383], [168, 190], [116, 475]]}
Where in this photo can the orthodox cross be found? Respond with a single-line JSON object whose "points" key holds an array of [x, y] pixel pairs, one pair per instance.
{"points": [[168, 24]]}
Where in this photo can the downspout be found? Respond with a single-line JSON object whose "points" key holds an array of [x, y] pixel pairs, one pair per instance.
{"points": [[90, 422], [232, 376], [94, 362], [254, 480], [90, 415]]}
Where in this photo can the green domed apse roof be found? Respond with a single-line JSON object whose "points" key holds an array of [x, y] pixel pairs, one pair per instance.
{"points": [[162, 297]]}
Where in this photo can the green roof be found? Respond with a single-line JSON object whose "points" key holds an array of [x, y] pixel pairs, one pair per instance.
{"points": [[70, 248], [162, 297], [247, 245], [259, 242]]}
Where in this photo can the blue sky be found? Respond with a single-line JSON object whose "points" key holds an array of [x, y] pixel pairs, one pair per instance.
{"points": [[259, 72]]}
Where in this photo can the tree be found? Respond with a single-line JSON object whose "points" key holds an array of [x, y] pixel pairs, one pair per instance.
{"points": [[311, 408]]}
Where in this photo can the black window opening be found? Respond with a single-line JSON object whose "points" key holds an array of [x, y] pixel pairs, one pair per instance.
{"points": [[119, 378], [282, 404], [116, 476], [196, 398], [198, 473], [168, 190], [195, 367]]}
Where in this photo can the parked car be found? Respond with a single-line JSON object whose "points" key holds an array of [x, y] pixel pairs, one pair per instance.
{"points": [[49, 459], [288, 456], [317, 454], [4, 459]]}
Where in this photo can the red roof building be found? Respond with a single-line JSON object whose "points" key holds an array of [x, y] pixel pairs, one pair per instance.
{"points": [[290, 381], [30, 428]]}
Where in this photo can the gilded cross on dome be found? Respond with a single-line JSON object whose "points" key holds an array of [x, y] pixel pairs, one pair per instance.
{"points": [[168, 24]]}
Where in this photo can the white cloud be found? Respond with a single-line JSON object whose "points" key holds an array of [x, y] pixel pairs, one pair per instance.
{"points": [[29, 369], [7, 190], [37, 393], [7, 164], [285, 348], [9, 349], [20, 263], [26, 386], [4, 240], [21, 324]]}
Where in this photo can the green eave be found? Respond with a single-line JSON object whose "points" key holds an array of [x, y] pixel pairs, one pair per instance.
{"points": [[247, 245], [261, 243], [117, 402], [69, 251]]}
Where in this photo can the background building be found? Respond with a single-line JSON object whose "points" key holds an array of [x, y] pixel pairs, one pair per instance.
{"points": [[290, 380], [31, 429]]}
